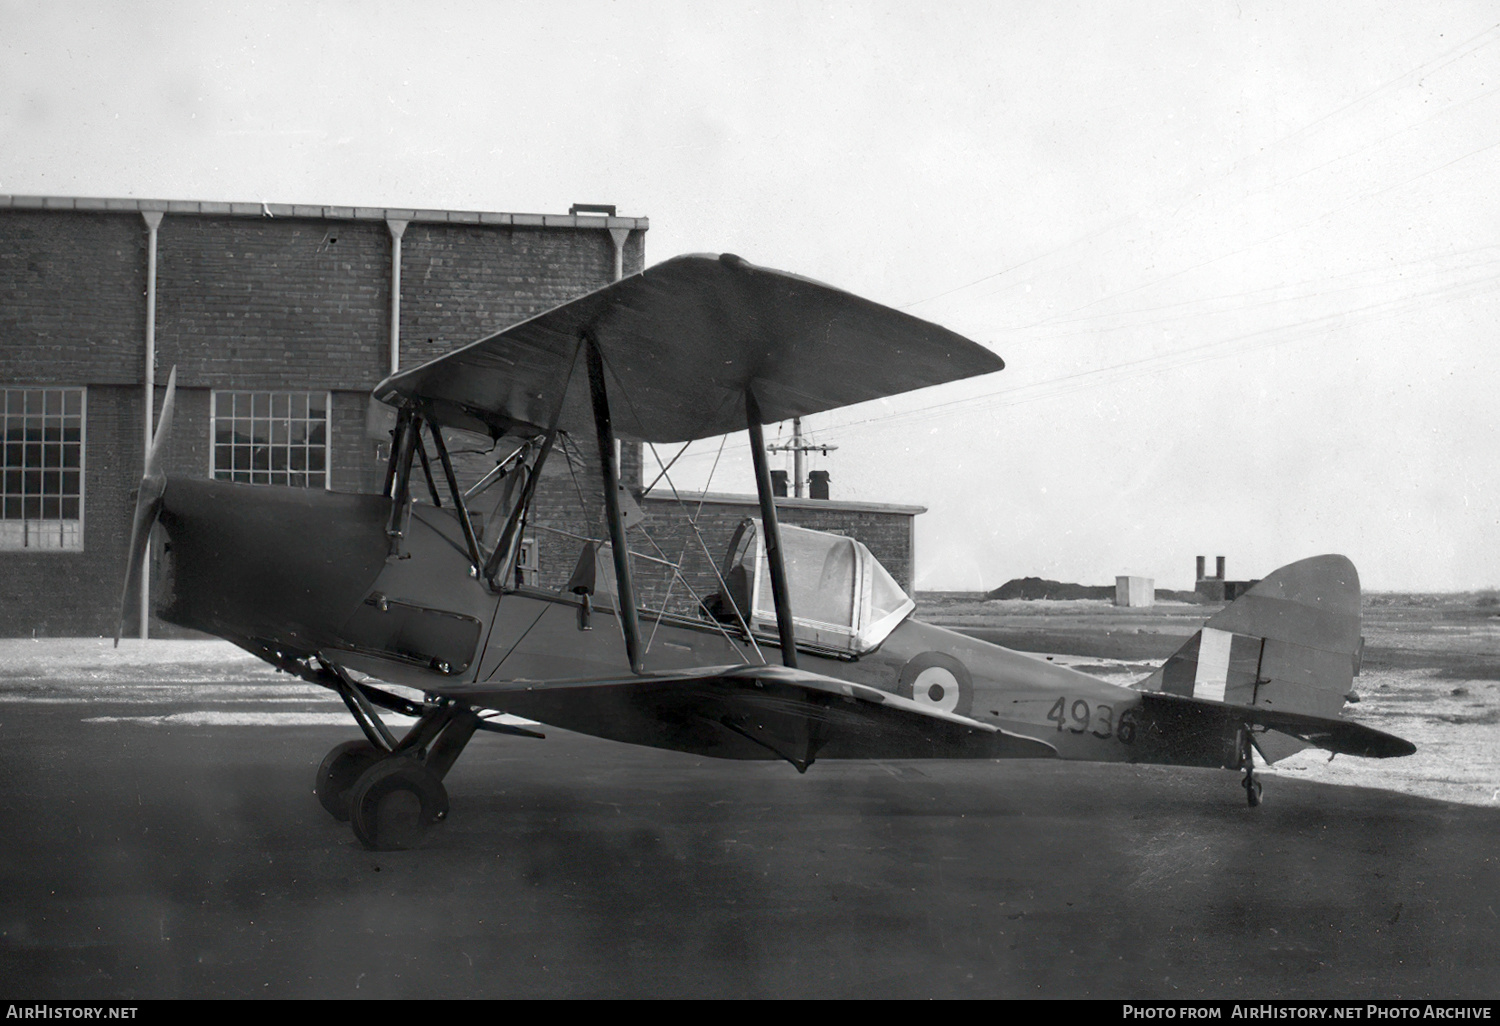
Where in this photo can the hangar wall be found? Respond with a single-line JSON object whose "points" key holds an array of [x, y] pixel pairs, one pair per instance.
{"points": [[253, 297], [279, 298]]}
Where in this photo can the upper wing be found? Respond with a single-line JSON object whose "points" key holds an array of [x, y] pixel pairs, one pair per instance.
{"points": [[684, 340], [750, 712]]}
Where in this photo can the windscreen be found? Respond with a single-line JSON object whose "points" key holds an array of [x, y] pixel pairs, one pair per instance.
{"points": [[841, 596], [820, 570]]}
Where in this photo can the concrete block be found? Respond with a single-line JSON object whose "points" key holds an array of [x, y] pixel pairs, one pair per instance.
{"points": [[1135, 591]]}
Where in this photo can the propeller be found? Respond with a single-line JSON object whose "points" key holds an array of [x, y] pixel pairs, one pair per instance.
{"points": [[148, 501]]}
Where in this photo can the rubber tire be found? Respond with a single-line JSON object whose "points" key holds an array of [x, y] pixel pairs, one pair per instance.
{"points": [[1252, 793], [341, 767], [394, 802]]}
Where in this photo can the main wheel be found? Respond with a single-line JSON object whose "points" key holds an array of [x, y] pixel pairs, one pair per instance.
{"points": [[340, 769], [1252, 792], [394, 802]]}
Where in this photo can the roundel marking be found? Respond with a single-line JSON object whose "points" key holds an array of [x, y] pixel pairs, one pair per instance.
{"points": [[938, 680]]}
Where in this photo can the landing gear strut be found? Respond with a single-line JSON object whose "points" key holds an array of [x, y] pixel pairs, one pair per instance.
{"points": [[1247, 763]]}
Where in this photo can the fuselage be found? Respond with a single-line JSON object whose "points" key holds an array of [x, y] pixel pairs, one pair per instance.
{"points": [[314, 573]]}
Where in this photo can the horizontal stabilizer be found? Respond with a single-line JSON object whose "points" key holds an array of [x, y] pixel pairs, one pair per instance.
{"points": [[683, 341], [1343, 737], [753, 712]]}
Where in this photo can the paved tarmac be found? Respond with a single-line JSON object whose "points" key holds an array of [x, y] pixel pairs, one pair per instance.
{"points": [[187, 857]]}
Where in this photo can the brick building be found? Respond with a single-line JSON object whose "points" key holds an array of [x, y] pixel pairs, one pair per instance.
{"points": [[279, 320]]}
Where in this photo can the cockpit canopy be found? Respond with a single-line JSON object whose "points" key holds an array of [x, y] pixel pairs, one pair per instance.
{"points": [[841, 597]]}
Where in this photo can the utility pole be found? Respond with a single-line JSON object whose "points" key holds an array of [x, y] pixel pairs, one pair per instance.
{"points": [[799, 450]]}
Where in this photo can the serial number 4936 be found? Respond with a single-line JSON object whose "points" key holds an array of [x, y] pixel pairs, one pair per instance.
{"points": [[1099, 721]]}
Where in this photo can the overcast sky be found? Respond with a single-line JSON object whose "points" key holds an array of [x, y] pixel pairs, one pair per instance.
{"points": [[1240, 259]]}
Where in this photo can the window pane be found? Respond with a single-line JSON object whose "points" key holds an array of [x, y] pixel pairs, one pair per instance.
{"points": [[276, 436], [70, 509]]}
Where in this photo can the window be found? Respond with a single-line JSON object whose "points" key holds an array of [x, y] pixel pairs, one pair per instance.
{"points": [[271, 438], [528, 564], [41, 469]]}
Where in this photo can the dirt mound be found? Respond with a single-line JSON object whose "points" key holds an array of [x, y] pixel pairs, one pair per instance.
{"points": [[1033, 588], [1037, 588]]}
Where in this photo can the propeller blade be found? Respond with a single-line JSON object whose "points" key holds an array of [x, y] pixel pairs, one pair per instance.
{"points": [[163, 430], [147, 502]]}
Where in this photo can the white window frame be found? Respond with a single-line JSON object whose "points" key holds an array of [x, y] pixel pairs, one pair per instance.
{"points": [[214, 470], [32, 535]]}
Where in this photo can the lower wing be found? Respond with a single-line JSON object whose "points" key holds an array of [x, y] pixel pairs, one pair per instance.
{"points": [[753, 712]]}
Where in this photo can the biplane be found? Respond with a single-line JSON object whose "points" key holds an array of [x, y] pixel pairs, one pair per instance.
{"points": [[807, 648]]}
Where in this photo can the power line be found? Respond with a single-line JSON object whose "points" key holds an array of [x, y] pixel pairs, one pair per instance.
{"points": [[1169, 361], [1470, 45]]}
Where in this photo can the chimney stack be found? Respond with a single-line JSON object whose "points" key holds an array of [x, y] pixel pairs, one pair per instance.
{"points": [[817, 485], [1220, 568], [778, 483], [1202, 560]]}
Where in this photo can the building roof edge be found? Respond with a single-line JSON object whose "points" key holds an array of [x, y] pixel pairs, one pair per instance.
{"points": [[331, 212], [784, 502]]}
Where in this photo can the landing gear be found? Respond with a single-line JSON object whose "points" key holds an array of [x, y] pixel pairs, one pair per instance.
{"points": [[391, 792], [1252, 789], [340, 769], [393, 803]]}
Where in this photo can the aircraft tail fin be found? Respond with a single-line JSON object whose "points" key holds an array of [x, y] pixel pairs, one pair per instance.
{"points": [[1290, 644]]}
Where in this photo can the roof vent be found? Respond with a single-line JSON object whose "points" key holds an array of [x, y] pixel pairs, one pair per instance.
{"points": [[607, 209]]}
